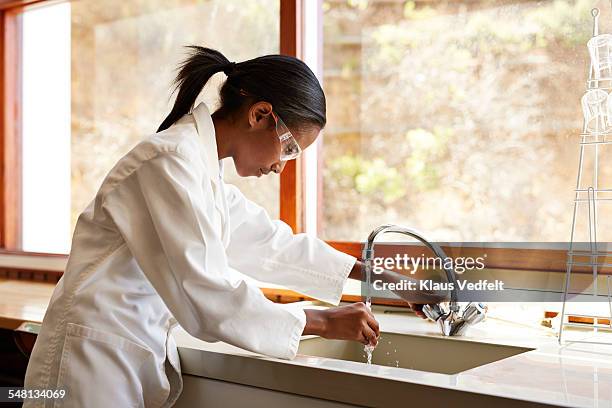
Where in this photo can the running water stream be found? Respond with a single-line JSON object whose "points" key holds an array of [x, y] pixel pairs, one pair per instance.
{"points": [[368, 348]]}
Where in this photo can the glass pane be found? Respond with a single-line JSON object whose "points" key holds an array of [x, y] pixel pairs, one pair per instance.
{"points": [[459, 118], [114, 90], [46, 129]]}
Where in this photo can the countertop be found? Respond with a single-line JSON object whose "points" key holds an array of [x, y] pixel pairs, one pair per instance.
{"points": [[23, 301], [577, 375]]}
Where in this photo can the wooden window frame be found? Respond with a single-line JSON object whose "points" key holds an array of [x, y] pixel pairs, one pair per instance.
{"points": [[10, 129], [291, 179], [291, 194]]}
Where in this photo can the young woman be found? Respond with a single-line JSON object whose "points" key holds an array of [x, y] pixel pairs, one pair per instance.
{"points": [[163, 239]]}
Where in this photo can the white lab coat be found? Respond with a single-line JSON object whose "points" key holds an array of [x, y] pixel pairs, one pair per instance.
{"points": [[162, 242]]}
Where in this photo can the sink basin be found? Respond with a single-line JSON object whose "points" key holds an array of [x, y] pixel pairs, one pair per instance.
{"points": [[437, 355]]}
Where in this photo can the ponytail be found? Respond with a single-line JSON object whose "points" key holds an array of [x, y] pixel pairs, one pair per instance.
{"points": [[194, 72], [285, 82]]}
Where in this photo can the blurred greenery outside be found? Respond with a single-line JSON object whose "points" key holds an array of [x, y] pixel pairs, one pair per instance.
{"points": [[459, 118]]}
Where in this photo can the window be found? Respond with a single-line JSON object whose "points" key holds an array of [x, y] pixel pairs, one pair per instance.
{"points": [[97, 79], [46, 129], [459, 118]]}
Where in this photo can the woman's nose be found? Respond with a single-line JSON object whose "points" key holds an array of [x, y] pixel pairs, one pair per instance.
{"points": [[278, 167]]}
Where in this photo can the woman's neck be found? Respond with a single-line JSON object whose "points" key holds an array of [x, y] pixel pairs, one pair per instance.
{"points": [[223, 136]]}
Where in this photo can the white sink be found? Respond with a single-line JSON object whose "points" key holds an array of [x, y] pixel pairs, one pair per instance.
{"points": [[437, 355]]}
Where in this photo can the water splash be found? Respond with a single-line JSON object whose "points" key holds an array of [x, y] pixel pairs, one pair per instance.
{"points": [[369, 349]]}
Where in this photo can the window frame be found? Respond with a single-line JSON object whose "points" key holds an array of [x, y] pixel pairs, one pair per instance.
{"points": [[292, 179], [10, 132]]}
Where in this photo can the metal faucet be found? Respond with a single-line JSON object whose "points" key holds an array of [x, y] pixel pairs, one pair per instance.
{"points": [[452, 320]]}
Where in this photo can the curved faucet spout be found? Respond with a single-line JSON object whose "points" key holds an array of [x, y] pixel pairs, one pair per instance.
{"points": [[368, 253], [451, 321]]}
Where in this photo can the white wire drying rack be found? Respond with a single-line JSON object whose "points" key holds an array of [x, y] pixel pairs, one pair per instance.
{"points": [[593, 137]]}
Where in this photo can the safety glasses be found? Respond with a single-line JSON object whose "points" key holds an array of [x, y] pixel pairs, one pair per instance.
{"points": [[290, 149]]}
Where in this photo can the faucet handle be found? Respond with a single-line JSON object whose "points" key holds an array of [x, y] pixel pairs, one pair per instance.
{"points": [[454, 323], [433, 311], [475, 313]]}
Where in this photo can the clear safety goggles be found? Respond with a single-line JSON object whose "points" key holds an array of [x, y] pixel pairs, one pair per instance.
{"points": [[290, 149]]}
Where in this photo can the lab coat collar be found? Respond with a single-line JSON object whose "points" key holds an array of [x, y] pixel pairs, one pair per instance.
{"points": [[207, 138], [208, 142]]}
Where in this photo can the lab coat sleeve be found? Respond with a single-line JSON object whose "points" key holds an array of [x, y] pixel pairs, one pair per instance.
{"points": [[164, 215], [267, 250]]}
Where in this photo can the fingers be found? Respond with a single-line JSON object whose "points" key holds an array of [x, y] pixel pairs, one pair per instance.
{"points": [[373, 324], [371, 329], [351, 322], [417, 308], [369, 337]]}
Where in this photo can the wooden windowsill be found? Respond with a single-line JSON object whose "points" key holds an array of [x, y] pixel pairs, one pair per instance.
{"points": [[540, 260], [546, 260], [32, 266]]}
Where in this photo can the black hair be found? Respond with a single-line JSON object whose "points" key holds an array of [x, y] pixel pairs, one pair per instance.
{"points": [[287, 83]]}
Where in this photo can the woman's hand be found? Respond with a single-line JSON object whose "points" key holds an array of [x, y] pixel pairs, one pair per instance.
{"points": [[415, 299], [352, 322], [417, 308]]}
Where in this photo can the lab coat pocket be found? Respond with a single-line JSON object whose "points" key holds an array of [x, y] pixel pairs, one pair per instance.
{"points": [[173, 370], [100, 369]]}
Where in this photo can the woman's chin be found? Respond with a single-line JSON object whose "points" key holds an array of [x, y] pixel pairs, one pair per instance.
{"points": [[248, 173]]}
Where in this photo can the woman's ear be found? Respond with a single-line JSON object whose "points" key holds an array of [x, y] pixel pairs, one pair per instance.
{"points": [[258, 115]]}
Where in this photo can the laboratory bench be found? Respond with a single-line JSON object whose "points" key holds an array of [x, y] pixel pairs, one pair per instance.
{"points": [[539, 373]]}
